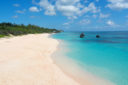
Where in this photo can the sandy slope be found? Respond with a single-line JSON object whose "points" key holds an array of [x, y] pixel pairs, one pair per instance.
{"points": [[25, 60]]}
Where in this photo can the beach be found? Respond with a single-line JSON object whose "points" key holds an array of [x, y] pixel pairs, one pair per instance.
{"points": [[26, 60]]}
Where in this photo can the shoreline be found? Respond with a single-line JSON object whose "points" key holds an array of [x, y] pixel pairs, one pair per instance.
{"points": [[74, 70], [26, 60]]}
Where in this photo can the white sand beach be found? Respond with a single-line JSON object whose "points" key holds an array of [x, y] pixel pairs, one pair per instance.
{"points": [[26, 60]]}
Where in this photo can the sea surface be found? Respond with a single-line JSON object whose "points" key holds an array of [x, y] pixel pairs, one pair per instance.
{"points": [[105, 57]]}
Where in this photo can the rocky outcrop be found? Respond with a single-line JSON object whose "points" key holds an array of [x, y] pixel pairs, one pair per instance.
{"points": [[82, 35], [97, 36]]}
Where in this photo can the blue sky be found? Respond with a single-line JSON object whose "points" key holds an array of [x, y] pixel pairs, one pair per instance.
{"points": [[82, 15]]}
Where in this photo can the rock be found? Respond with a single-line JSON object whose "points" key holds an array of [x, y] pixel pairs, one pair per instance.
{"points": [[97, 36], [82, 35]]}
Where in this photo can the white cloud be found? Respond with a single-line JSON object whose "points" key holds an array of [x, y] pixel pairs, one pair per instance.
{"points": [[16, 16], [73, 8], [118, 4], [49, 8], [91, 8], [97, 0], [21, 11], [110, 23], [68, 23], [85, 21], [104, 15], [67, 2], [79, 5], [16, 5], [34, 9], [85, 1], [127, 16], [70, 8]]}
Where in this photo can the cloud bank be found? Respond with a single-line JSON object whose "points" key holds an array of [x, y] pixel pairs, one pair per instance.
{"points": [[70, 8]]}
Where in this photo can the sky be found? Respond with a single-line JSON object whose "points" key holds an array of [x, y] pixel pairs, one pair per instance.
{"points": [[69, 15]]}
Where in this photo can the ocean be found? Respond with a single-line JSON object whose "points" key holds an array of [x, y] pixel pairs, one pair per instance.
{"points": [[105, 57]]}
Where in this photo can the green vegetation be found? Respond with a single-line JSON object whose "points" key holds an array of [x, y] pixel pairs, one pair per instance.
{"points": [[7, 29], [2, 36]]}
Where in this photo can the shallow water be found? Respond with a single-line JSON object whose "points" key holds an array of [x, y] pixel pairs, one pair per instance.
{"points": [[105, 57]]}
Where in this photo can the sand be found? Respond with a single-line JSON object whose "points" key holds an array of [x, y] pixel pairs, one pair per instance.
{"points": [[26, 60]]}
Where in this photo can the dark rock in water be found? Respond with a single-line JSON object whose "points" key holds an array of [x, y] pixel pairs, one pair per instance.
{"points": [[82, 35], [97, 36]]}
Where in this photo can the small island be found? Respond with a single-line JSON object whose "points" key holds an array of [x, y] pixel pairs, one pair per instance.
{"points": [[7, 29]]}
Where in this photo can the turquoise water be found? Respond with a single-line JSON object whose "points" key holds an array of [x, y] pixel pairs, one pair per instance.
{"points": [[106, 57]]}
